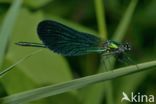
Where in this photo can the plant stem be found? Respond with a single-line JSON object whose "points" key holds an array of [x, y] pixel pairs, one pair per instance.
{"points": [[100, 14], [125, 21]]}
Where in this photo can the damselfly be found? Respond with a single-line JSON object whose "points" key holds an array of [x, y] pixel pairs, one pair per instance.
{"points": [[69, 42]]}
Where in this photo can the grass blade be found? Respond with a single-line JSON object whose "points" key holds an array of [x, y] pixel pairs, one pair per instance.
{"points": [[51, 90], [7, 27], [125, 21], [5, 71]]}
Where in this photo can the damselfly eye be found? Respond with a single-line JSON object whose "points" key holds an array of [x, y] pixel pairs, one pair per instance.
{"points": [[127, 46]]}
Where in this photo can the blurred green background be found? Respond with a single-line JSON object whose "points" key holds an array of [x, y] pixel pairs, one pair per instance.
{"points": [[47, 68]]}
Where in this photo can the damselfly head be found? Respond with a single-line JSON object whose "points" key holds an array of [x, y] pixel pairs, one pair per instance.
{"points": [[116, 48], [126, 46]]}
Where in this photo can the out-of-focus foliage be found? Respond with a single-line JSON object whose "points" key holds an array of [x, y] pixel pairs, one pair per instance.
{"points": [[47, 68]]}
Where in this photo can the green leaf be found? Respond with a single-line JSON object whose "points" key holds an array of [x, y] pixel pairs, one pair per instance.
{"points": [[74, 84]]}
